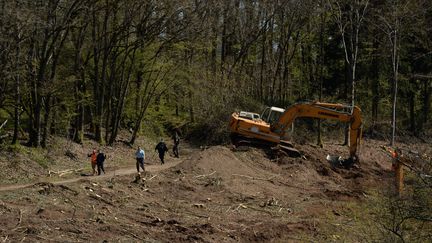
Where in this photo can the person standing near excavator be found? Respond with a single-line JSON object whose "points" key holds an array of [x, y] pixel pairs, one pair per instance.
{"points": [[397, 167]]}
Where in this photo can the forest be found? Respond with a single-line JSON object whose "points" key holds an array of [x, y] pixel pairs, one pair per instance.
{"points": [[70, 67]]}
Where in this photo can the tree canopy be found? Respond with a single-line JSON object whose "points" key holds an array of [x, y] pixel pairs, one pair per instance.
{"points": [[71, 66]]}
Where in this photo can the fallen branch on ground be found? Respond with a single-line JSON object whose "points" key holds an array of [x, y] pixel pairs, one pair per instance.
{"points": [[262, 210], [201, 176], [17, 226], [101, 199], [256, 178], [64, 172], [240, 206], [20, 218], [197, 215]]}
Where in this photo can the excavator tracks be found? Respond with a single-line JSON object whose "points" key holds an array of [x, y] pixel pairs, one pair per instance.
{"points": [[284, 148], [289, 149]]}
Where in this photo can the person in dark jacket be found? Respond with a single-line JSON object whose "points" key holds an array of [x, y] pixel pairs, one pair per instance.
{"points": [[100, 159], [162, 149]]}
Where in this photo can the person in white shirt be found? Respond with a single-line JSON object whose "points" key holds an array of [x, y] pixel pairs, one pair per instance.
{"points": [[140, 156]]}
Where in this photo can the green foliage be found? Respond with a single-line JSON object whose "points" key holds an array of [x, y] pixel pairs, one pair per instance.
{"points": [[385, 217], [15, 148], [406, 218], [213, 107], [161, 120], [3, 114], [41, 160], [36, 154]]}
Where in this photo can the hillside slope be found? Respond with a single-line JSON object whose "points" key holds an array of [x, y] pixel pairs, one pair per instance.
{"points": [[215, 194]]}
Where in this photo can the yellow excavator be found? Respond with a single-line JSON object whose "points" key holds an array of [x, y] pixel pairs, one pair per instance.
{"points": [[270, 128]]}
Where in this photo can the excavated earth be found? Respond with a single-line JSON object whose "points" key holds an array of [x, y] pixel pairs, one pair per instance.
{"points": [[211, 194]]}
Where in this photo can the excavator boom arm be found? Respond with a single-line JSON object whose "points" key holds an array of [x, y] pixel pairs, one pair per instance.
{"points": [[343, 113]]}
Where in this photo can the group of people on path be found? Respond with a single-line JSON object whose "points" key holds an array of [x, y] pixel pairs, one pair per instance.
{"points": [[98, 158], [161, 148]]}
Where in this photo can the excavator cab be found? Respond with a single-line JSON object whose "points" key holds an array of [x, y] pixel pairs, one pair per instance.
{"points": [[272, 114]]}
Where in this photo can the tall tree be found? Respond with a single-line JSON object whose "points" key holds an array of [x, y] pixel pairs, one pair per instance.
{"points": [[394, 23], [52, 21], [349, 17]]}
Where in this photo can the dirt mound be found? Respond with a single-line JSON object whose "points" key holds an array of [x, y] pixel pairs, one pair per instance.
{"points": [[252, 173], [217, 159], [239, 172], [336, 182]]}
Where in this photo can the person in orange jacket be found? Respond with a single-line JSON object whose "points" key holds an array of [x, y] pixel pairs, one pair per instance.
{"points": [[93, 160], [397, 167]]}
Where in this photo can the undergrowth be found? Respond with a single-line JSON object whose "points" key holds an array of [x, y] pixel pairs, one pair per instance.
{"points": [[383, 216]]}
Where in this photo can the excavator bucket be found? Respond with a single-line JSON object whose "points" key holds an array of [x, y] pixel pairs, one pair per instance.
{"points": [[334, 159], [338, 161]]}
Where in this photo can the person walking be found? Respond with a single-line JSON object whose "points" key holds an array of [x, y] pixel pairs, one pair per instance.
{"points": [[162, 149], [100, 159], [93, 160], [140, 156], [176, 141]]}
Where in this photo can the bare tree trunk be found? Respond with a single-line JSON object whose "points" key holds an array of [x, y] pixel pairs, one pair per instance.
{"points": [[214, 40], [111, 93], [46, 122], [347, 82], [321, 72], [35, 109], [190, 91], [96, 93], [79, 125], [138, 103], [262, 68], [350, 18], [17, 110], [412, 97], [99, 76], [78, 135], [395, 64], [375, 84], [124, 84], [224, 39], [395, 87], [426, 101], [190, 97], [138, 123]]}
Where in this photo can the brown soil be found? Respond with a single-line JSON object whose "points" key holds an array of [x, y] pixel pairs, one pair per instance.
{"points": [[210, 195]]}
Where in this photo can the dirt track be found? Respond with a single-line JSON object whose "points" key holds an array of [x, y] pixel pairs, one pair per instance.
{"points": [[109, 174]]}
